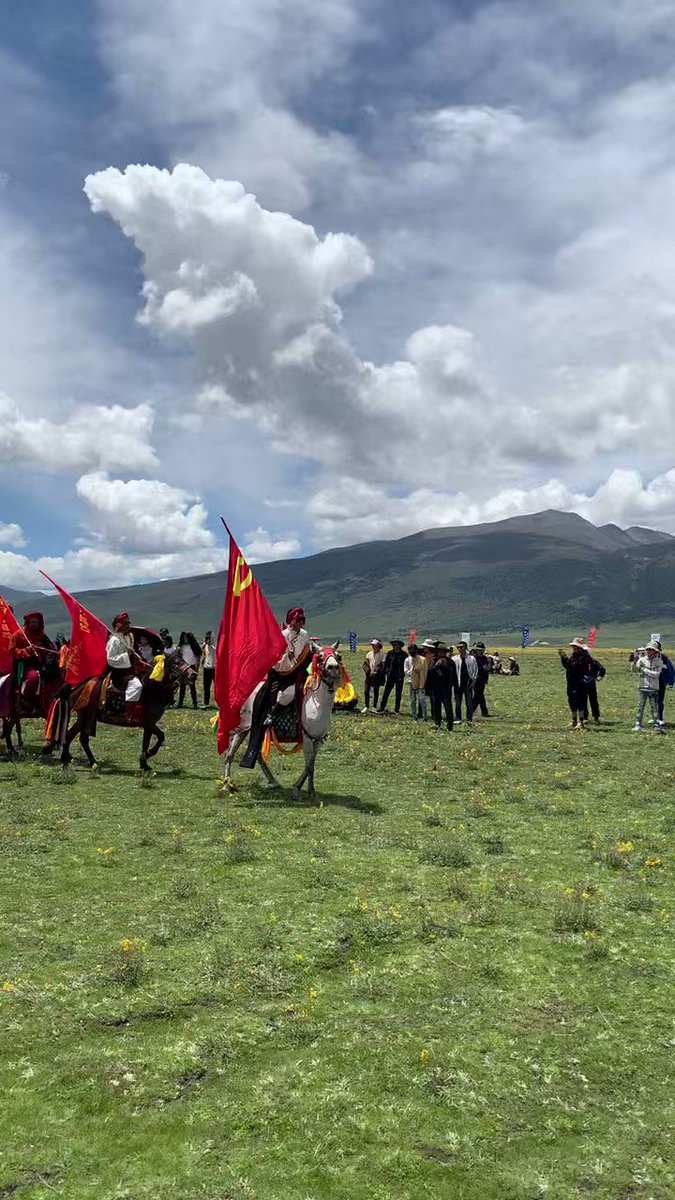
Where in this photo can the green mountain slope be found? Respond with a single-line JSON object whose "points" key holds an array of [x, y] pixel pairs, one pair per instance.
{"points": [[548, 569]]}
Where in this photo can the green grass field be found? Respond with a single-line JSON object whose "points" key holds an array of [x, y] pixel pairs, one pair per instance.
{"points": [[451, 978]]}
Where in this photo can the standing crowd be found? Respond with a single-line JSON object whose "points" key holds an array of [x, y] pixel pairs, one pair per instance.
{"points": [[447, 682]]}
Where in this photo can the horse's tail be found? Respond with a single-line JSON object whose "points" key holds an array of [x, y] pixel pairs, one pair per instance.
{"points": [[58, 717]]}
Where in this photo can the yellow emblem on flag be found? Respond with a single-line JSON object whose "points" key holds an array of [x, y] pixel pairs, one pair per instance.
{"points": [[240, 585]]}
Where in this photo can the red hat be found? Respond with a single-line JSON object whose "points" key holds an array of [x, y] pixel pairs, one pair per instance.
{"points": [[295, 614], [120, 619]]}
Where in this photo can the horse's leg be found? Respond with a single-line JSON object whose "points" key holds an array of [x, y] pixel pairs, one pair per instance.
{"points": [[236, 738], [147, 733], [310, 774], [307, 748], [84, 742], [160, 739], [7, 734], [71, 734], [272, 783], [19, 738]]}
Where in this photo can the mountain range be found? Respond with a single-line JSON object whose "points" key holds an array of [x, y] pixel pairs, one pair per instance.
{"points": [[551, 568]]}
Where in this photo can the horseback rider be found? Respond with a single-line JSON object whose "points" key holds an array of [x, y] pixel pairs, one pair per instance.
{"points": [[119, 649], [291, 669], [35, 657]]}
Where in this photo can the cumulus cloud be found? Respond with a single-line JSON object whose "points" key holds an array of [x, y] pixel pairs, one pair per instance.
{"points": [[222, 83], [144, 514], [353, 511], [11, 535], [90, 435], [259, 546]]}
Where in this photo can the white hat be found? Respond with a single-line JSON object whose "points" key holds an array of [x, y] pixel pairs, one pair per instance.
{"points": [[653, 646]]}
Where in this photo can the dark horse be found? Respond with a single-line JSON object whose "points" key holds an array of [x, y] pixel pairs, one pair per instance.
{"points": [[14, 708], [85, 700]]}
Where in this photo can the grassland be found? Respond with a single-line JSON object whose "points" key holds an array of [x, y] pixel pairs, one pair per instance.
{"points": [[453, 978]]}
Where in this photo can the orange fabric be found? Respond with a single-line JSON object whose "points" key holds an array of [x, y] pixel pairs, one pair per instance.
{"points": [[8, 627]]}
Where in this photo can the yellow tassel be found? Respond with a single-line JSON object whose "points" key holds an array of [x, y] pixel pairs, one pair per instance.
{"points": [[157, 672]]}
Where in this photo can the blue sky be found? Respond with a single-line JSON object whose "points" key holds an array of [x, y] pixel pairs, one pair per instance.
{"points": [[442, 294]]}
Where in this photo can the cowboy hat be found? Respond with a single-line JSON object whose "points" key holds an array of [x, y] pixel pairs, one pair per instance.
{"points": [[397, 642], [428, 644], [375, 642], [579, 643], [653, 646]]}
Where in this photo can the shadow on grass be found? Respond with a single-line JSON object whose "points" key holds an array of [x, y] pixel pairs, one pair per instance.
{"points": [[284, 798]]}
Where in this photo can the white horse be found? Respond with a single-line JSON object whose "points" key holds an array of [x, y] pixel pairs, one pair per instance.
{"points": [[316, 717]]}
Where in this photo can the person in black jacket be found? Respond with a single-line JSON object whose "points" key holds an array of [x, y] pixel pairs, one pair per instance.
{"points": [[597, 672], [578, 670], [393, 675], [482, 678], [441, 684]]}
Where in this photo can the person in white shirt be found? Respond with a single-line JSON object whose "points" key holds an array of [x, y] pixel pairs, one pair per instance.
{"points": [[209, 662], [119, 649], [467, 674], [188, 648], [291, 668], [373, 669]]}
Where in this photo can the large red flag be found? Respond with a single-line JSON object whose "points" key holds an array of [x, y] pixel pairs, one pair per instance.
{"points": [[592, 637], [249, 643], [8, 627], [88, 637]]}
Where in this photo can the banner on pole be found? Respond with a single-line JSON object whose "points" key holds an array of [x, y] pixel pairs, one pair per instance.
{"points": [[592, 636], [526, 636], [352, 640]]}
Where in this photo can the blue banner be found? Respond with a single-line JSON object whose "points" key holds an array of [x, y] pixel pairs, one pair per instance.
{"points": [[526, 636], [352, 640]]}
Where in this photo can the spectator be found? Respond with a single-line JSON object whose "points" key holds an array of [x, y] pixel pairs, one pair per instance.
{"points": [[514, 667], [393, 675], [466, 669], [496, 663], [577, 667], [418, 681], [649, 666], [407, 671], [208, 652], [666, 679], [188, 647], [441, 679], [144, 649], [373, 669], [597, 672], [482, 678]]}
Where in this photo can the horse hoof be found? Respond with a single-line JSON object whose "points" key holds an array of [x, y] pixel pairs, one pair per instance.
{"points": [[297, 794], [271, 786]]}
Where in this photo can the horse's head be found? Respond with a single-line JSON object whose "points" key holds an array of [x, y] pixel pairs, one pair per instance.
{"points": [[177, 670], [327, 666]]}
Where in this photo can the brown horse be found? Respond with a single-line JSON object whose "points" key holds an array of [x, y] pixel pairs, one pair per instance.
{"points": [[15, 709], [85, 700]]}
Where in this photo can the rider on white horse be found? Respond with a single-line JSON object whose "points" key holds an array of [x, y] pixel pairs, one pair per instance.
{"points": [[289, 671]]}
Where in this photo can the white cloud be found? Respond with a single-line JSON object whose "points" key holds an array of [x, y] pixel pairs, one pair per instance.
{"points": [[219, 82], [11, 535], [353, 511], [259, 546], [89, 436], [144, 515]]}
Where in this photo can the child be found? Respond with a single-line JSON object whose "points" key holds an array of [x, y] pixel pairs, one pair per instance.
{"points": [[649, 667]]}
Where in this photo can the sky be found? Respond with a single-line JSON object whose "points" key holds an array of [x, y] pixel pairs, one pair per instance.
{"points": [[337, 271]]}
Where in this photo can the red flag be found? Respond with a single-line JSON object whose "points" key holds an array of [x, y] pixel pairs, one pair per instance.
{"points": [[8, 627], [411, 637], [249, 643], [88, 637], [592, 635]]}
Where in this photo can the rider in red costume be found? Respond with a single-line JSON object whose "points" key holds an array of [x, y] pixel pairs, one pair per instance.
{"points": [[35, 659]]}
